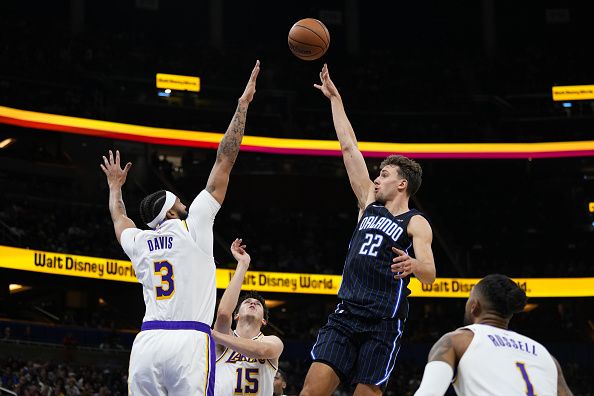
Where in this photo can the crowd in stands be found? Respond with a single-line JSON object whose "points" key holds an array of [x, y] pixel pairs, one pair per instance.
{"points": [[43, 378]]}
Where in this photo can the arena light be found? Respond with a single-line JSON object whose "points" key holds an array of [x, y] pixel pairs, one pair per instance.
{"points": [[573, 92], [274, 303], [16, 288], [591, 207], [177, 82], [6, 142]]}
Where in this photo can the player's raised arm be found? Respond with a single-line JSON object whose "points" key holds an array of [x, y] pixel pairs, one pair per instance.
{"points": [[116, 177], [231, 294], [353, 159], [229, 145]]}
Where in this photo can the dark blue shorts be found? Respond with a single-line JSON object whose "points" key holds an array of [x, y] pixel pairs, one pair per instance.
{"points": [[360, 350]]}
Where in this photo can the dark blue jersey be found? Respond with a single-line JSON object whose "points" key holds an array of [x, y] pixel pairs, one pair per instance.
{"points": [[368, 286]]}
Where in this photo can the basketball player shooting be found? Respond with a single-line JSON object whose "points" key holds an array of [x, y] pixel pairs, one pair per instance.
{"points": [[174, 352], [247, 360], [488, 358], [361, 339]]}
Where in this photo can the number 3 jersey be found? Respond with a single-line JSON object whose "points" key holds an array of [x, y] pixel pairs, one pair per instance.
{"points": [[368, 287], [175, 264], [240, 375], [503, 362]]}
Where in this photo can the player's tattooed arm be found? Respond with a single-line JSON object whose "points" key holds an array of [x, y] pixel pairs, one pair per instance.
{"points": [[231, 142], [562, 388], [443, 350]]}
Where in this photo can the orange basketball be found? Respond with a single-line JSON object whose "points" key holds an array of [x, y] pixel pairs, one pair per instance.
{"points": [[309, 39]]}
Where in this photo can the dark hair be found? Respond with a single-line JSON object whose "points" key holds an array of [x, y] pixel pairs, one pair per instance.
{"points": [[151, 205], [502, 294], [407, 169], [282, 374], [255, 295]]}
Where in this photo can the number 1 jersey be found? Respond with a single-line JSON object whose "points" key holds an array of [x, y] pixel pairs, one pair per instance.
{"points": [[503, 362]]}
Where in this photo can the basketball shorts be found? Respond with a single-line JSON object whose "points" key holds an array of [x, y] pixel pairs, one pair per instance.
{"points": [[172, 358], [360, 350]]}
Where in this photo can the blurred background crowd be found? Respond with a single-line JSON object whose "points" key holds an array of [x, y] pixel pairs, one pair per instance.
{"points": [[479, 71]]}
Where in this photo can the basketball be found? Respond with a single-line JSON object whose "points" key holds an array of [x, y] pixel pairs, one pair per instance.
{"points": [[309, 39]]}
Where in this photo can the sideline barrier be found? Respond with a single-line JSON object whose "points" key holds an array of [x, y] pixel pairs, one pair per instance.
{"points": [[277, 282]]}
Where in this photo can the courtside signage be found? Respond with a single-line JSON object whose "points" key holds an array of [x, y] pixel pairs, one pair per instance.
{"points": [[277, 282], [177, 82], [573, 92]]}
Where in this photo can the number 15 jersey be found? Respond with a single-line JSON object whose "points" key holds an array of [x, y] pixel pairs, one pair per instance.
{"points": [[237, 374]]}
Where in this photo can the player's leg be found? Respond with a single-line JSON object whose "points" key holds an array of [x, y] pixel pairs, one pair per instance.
{"points": [[334, 355], [321, 379], [367, 390], [195, 358], [144, 376], [377, 356]]}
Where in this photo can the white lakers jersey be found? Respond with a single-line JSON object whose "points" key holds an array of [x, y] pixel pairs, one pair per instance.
{"points": [[239, 375], [502, 362], [175, 264]]}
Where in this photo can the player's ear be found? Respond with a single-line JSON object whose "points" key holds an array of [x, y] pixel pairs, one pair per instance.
{"points": [[402, 185], [171, 214], [475, 308], [264, 322]]}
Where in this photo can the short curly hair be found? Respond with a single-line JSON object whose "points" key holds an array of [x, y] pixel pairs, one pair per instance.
{"points": [[502, 294], [407, 169]]}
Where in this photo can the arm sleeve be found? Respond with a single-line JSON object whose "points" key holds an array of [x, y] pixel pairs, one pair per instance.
{"points": [[127, 241], [436, 379], [201, 219]]}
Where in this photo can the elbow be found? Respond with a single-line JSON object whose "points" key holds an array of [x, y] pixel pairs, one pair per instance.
{"points": [[428, 277], [264, 352]]}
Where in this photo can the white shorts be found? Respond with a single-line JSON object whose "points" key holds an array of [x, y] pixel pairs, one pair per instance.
{"points": [[172, 362]]}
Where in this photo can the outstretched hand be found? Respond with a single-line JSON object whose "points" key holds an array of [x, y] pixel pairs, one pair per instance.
{"points": [[328, 88], [116, 176], [250, 88], [239, 253]]}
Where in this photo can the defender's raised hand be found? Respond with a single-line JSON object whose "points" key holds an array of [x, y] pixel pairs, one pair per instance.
{"points": [[116, 176], [239, 253], [250, 88], [328, 88]]}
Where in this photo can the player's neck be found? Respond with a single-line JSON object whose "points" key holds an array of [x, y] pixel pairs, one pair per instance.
{"points": [[247, 328], [493, 320], [398, 205]]}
